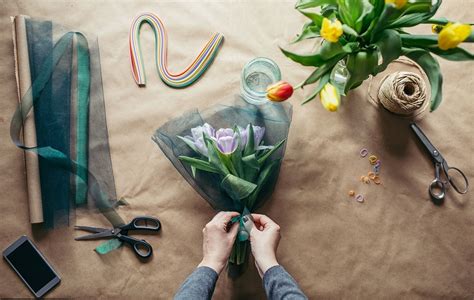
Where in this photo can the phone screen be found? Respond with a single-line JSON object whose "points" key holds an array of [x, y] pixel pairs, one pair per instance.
{"points": [[31, 266]]}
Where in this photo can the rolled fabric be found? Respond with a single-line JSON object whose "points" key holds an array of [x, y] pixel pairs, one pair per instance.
{"points": [[62, 86], [23, 79]]}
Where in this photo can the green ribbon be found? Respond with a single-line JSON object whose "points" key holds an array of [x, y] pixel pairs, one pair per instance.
{"points": [[245, 225], [108, 246], [54, 156], [82, 121]]}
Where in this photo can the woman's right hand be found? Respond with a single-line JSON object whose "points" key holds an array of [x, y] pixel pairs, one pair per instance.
{"points": [[264, 240]]}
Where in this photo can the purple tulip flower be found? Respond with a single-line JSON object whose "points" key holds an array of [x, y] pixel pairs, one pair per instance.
{"points": [[258, 133], [227, 140], [197, 137]]}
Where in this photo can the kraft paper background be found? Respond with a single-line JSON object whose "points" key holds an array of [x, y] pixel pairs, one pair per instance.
{"points": [[396, 244]]}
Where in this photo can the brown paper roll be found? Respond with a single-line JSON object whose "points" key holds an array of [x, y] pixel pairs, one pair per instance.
{"points": [[23, 79]]}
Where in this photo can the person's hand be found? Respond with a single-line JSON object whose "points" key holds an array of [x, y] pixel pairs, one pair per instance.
{"points": [[218, 240], [264, 239]]}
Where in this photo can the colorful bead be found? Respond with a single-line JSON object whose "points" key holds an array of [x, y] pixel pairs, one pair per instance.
{"points": [[377, 180], [373, 159], [376, 169], [360, 198], [363, 152], [351, 193]]}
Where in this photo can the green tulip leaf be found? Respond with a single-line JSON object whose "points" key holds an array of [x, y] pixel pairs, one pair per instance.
{"points": [[316, 18], [431, 67], [377, 13], [322, 82], [306, 60], [454, 54], [251, 167], [215, 156], [353, 12], [309, 31], [250, 146], [470, 38], [262, 181], [261, 160], [349, 30], [199, 164], [323, 69], [236, 156], [439, 21], [189, 143], [302, 4], [390, 47], [329, 11], [430, 43], [418, 41], [237, 188], [328, 50], [410, 20]]}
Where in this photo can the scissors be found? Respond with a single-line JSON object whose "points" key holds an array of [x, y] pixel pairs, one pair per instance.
{"points": [[140, 247], [454, 176]]}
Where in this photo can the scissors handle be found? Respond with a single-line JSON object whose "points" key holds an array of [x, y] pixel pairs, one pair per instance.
{"points": [[437, 189], [461, 185], [143, 223], [140, 247]]}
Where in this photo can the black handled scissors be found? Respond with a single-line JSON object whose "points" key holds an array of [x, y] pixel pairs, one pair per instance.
{"points": [[454, 176], [141, 247]]}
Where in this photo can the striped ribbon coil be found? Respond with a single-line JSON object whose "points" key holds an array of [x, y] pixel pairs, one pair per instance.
{"points": [[181, 80]]}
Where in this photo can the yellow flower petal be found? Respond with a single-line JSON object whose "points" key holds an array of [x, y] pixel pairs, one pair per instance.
{"points": [[330, 98], [452, 35], [397, 3], [331, 31]]}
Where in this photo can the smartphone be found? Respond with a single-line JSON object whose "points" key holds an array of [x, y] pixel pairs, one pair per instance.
{"points": [[28, 262]]}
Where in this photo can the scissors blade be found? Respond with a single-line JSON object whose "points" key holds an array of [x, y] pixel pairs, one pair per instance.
{"points": [[91, 229], [100, 235], [426, 142]]}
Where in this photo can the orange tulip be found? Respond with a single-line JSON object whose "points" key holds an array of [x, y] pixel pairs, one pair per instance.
{"points": [[279, 91]]}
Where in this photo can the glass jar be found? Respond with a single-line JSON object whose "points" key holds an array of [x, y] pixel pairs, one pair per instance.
{"points": [[257, 75]]}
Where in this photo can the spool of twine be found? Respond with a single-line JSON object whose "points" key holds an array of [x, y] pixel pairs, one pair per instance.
{"points": [[403, 93], [402, 89]]}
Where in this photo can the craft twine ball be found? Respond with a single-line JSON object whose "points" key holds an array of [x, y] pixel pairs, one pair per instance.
{"points": [[403, 89], [403, 93]]}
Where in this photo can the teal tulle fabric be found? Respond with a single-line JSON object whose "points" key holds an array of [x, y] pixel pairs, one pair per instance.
{"points": [[275, 117], [71, 129]]}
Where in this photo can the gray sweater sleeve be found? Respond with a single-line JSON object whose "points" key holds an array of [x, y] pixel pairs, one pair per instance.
{"points": [[279, 284], [199, 285]]}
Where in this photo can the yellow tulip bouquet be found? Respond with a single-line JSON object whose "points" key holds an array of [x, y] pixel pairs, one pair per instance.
{"points": [[361, 37]]}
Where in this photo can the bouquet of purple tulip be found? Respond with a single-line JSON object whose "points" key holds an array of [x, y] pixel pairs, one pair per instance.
{"points": [[239, 157], [234, 169]]}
